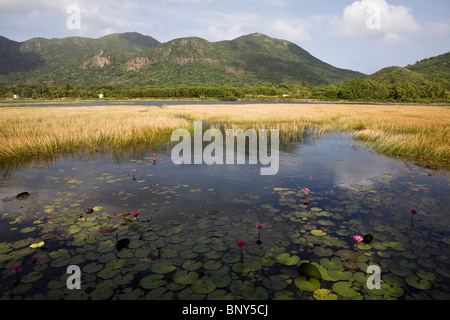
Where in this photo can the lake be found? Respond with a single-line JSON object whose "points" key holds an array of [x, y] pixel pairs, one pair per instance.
{"points": [[184, 242]]}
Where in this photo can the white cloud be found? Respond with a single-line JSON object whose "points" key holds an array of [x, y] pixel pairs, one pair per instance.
{"points": [[290, 31], [375, 19], [218, 34]]}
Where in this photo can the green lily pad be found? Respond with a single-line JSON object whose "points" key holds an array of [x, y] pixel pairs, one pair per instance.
{"points": [[309, 270], [331, 264], [23, 195], [220, 294], [212, 265], [340, 274], [252, 293], [152, 281], [123, 279], [276, 282], [28, 229], [287, 259], [192, 265], [318, 233], [201, 248], [163, 267], [231, 257], [203, 286], [344, 289], [307, 284], [169, 253], [324, 294], [185, 277], [92, 267], [246, 266], [399, 270], [415, 282]]}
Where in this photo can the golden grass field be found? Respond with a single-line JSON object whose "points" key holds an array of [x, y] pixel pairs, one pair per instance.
{"points": [[417, 133]]}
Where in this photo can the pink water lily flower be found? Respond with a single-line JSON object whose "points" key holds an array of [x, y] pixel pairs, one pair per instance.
{"points": [[413, 211], [240, 243], [136, 214], [16, 267], [358, 238], [306, 190], [259, 226]]}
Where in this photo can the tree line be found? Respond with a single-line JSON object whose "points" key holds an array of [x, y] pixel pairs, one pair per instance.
{"points": [[363, 90]]}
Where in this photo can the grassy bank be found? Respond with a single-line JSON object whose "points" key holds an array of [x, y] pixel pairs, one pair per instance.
{"points": [[419, 133], [44, 133]]}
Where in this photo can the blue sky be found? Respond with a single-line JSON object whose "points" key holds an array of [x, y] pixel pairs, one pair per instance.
{"points": [[362, 35]]}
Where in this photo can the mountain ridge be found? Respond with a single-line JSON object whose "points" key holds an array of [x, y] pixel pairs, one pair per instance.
{"points": [[135, 59]]}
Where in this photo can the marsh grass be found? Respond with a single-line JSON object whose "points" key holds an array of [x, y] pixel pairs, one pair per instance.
{"points": [[419, 133], [45, 133]]}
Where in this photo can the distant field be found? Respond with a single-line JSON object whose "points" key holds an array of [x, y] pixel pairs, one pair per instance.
{"points": [[418, 133]]}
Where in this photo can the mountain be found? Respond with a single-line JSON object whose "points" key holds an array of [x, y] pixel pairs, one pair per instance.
{"points": [[430, 69], [433, 68], [397, 74], [134, 59]]}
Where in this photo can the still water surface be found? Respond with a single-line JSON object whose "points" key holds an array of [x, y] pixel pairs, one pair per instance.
{"points": [[183, 243]]}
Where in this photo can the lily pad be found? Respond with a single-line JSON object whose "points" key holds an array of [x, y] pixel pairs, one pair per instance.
{"points": [[152, 281], [203, 286], [276, 282], [415, 282], [307, 284], [287, 259], [185, 277], [92, 267], [318, 233], [252, 293], [122, 243], [192, 265], [163, 267], [231, 257], [23, 195], [344, 289], [246, 266], [340, 274], [309, 270], [331, 264], [324, 294]]}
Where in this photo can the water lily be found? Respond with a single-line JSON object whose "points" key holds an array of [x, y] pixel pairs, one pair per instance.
{"points": [[135, 214], [414, 212], [134, 178], [259, 227], [16, 268], [358, 238], [241, 243]]}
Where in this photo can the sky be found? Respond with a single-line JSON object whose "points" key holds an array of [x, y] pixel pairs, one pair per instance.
{"points": [[362, 35]]}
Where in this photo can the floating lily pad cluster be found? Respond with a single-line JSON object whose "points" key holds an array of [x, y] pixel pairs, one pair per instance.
{"points": [[175, 250]]}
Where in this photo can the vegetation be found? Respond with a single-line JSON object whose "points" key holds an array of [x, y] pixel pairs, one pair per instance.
{"points": [[354, 90], [417, 133], [136, 60]]}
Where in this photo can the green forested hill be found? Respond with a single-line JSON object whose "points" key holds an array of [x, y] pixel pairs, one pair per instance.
{"points": [[134, 59], [431, 69]]}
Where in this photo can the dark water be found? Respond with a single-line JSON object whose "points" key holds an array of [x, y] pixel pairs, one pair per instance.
{"points": [[183, 243]]}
